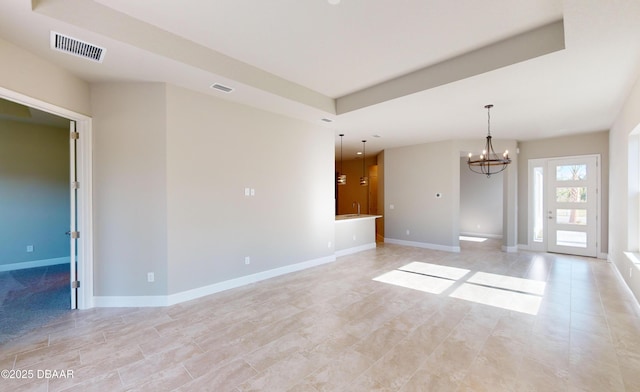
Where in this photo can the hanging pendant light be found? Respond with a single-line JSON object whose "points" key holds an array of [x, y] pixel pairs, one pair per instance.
{"points": [[489, 162], [342, 178], [364, 180]]}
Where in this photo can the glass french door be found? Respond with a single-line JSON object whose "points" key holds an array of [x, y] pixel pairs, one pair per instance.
{"points": [[571, 205]]}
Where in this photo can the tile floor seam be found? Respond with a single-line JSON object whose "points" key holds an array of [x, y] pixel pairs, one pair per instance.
{"points": [[119, 377], [439, 344]]}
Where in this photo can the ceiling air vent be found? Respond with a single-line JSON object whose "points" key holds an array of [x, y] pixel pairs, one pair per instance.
{"points": [[77, 47], [221, 87]]}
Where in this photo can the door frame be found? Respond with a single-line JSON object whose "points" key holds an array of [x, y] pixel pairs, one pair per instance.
{"points": [[543, 162], [84, 193]]}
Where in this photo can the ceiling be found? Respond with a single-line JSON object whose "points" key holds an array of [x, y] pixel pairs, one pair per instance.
{"points": [[406, 71]]}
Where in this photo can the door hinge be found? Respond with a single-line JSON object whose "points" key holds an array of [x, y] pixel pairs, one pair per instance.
{"points": [[75, 185], [75, 284], [75, 234], [75, 135]]}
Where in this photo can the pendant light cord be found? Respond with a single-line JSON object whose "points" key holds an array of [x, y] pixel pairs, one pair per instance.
{"points": [[489, 119], [364, 156]]}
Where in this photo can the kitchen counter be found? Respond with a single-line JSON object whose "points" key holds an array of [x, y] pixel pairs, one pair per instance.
{"points": [[355, 233], [355, 216]]}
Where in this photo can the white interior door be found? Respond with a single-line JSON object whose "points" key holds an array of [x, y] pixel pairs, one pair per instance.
{"points": [[73, 227], [572, 205]]}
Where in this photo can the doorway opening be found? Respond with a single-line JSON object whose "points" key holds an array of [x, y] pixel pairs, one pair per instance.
{"points": [[481, 209], [79, 220], [34, 212]]}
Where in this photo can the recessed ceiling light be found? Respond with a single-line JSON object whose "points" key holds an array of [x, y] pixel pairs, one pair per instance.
{"points": [[333, 2], [327, 120], [376, 135]]}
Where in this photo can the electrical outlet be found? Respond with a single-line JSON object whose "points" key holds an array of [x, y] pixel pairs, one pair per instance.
{"points": [[630, 271], [408, 232], [151, 277], [329, 244], [29, 248], [247, 260], [354, 237]]}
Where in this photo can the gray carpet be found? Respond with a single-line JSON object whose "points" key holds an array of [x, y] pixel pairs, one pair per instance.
{"points": [[31, 298]]}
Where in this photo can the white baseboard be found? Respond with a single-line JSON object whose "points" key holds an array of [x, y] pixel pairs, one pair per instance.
{"points": [[510, 249], [133, 301], [245, 280], [34, 264], [455, 249], [172, 299], [355, 249]]}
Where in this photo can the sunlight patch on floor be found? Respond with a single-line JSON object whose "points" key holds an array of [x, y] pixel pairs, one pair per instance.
{"points": [[509, 283], [510, 300], [441, 271], [472, 239], [428, 284], [506, 292]]}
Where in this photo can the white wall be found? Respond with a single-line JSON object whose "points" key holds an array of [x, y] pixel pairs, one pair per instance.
{"points": [[412, 177], [215, 149], [621, 194], [25, 73], [129, 184], [480, 202], [171, 166]]}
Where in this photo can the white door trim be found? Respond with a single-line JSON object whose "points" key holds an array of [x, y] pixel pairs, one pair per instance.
{"points": [[85, 195], [73, 241]]}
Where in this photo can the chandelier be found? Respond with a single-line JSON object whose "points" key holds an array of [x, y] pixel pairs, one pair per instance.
{"points": [[489, 162]]}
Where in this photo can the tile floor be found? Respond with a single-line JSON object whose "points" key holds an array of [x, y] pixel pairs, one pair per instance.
{"points": [[472, 321]]}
